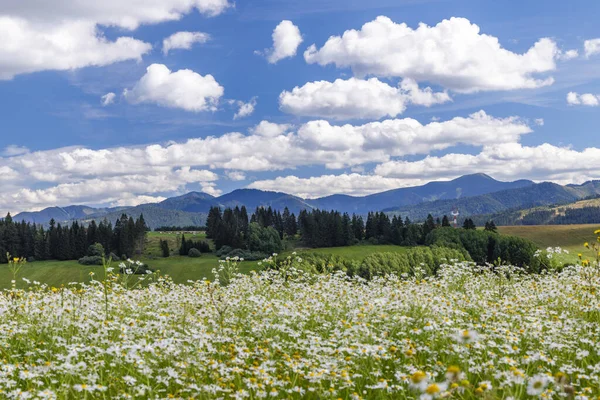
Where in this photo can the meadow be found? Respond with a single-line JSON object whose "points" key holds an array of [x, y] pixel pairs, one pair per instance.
{"points": [[568, 237], [467, 333]]}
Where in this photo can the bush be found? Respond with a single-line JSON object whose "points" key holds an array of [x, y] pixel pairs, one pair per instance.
{"points": [[114, 257], [419, 261], [223, 251], [194, 253], [245, 254], [91, 260], [263, 240], [96, 250], [186, 245]]}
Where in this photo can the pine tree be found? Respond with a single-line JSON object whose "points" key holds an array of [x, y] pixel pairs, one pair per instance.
{"points": [[490, 226], [445, 221]]}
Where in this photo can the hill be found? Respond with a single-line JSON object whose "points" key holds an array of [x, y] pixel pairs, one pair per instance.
{"points": [[465, 186], [579, 212], [475, 194], [65, 213], [155, 216], [542, 194]]}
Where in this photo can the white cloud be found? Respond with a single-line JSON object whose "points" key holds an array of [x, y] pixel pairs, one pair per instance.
{"points": [[568, 55], [236, 175], [356, 99], [108, 189], [244, 109], [183, 89], [453, 54], [591, 47], [539, 121], [50, 35], [183, 40], [270, 129], [108, 99], [586, 99], [507, 161], [14, 150], [504, 161], [129, 200], [326, 185], [86, 176], [286, 39]]}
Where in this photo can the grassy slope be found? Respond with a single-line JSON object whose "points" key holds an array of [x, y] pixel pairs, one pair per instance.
{"points": [[569, 237]]}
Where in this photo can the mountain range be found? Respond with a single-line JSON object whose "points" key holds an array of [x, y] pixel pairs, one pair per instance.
{"points": [[472, 194]]}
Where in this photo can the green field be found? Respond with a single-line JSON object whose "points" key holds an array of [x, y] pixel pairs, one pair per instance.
{"points": [[180, 269], [183, 269], [568, 237]]}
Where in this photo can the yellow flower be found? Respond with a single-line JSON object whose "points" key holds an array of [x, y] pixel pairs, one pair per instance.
{"points": [[418, 376], [586, 244], [433, 389], [597, 232], [580, 255]]}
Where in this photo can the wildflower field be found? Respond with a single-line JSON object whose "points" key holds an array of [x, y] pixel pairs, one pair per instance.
{"points": [[469, 332]]}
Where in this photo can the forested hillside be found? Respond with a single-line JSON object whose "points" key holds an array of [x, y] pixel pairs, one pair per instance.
{"points": [[542, 194]]}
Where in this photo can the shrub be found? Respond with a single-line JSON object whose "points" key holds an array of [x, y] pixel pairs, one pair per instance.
{"points": [[263, 240], [186, 245], [419, 261], [91, 260], [96, 250], [223, 251], [114, 257], [194, 253]]}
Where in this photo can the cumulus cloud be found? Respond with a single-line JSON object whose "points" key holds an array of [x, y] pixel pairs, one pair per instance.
{"points": [[507, 161], [568, 55], [184, 89], [504, 161], [40, 36], [183, 40], [14, 150], [270, 129], [108, 99], [244, 109], [357, 99], [286, 39], [129, 200], [586, 99], [591, 47], [326, 185], [453, 54], [82, 175], [236, 175]]}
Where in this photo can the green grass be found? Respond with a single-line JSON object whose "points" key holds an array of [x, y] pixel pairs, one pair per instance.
{"points": [[57, 273], [180, 269], [569, 237], [357, 253]]}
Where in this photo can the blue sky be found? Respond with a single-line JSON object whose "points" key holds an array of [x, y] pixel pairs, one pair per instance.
{"points": [[361, 120]]}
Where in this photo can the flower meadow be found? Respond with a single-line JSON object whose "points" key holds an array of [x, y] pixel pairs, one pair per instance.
{"points": [[468, 333]]}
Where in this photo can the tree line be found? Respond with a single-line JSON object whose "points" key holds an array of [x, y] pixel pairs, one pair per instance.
{"points": [[71, 242]]}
